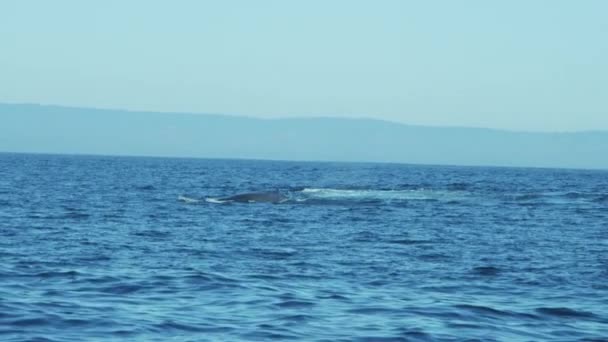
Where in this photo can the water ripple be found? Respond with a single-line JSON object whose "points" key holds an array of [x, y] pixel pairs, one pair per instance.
{"points": [[98, 248]]}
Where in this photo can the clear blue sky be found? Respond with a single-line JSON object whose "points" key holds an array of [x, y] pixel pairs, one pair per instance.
{"points": [[517, 64]]}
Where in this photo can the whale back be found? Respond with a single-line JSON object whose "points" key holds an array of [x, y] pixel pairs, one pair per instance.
{"points": [[261, 197]]}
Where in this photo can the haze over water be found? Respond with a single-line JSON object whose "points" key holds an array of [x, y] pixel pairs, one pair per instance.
{"points": [[115, 249], [518, 65]]}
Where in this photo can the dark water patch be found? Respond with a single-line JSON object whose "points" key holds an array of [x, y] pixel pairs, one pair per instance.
{"points": [[159, 215], [145, 187], [410, 242], [299, 318], [434, 257], [374, 310], [533, 205], [334, 296], [448, 289], [74, 215], [303, 276], [366, 236], [262, 276], [378, 282], [262, 335], [87, 242], [57, 274], [301, 264], [151, 233], [122, 333], [252, 221], [465, 325], [381, 339], [98, 280], [210, 282], [6, 315], [173, 326], [39, 216], [72, 323], [115, 215], [295, 304], [34, 322], [99, 258], [40, 339], [488, 271], [437, 313], [191, 251], [281, 220], [601, 199], [528, 197], [122, 289], [162, 278], [415, 335], [10, 254], [564, 312], [459, 186], [574, 195], [484, 311], [197, 279]]}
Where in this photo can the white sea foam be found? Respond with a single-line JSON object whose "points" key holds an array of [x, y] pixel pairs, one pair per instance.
{"points": [[186, 199], [215, 200], [328, 193]]}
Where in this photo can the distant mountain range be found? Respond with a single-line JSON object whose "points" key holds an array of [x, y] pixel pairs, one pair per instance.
{"points": [[55, 129]]}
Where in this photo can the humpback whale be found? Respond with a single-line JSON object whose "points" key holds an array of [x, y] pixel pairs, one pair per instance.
{"points": [[266, 197]]}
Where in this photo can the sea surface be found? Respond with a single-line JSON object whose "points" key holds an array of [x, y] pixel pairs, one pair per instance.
{"points": [[144, 249]]}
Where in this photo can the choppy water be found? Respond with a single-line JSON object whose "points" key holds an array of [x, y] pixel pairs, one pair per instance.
{"points": [[130, 249]]}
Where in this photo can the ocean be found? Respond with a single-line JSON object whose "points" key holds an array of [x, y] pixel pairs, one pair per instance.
{"points": [[98, 248]]}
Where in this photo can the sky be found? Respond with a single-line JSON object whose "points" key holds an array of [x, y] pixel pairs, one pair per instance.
{"points": [[531, 65]]}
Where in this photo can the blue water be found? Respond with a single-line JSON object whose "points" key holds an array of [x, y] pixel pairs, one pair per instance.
{"points": [[131, 249]]}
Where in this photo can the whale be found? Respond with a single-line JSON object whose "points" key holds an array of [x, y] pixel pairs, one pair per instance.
{"points": [[257, 197]]}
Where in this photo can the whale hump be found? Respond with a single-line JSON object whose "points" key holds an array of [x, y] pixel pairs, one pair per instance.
{"points": [[256, 197]]}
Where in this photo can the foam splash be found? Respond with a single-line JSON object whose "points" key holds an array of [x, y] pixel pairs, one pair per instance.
{"points": [[215, 200], [186, 199], [372, 194]]}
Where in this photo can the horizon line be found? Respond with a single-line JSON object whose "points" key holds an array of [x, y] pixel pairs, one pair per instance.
{"points": [[94, 155]]}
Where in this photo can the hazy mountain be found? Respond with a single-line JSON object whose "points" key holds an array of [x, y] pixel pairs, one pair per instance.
{"points": [[53, 129]]}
